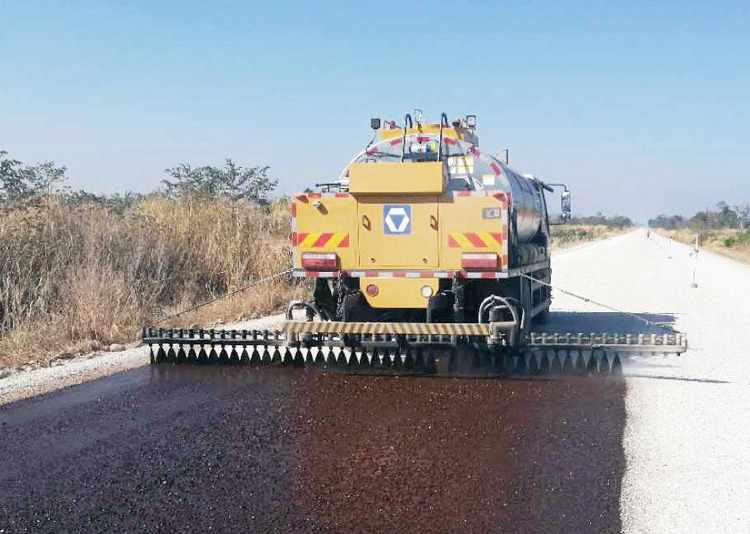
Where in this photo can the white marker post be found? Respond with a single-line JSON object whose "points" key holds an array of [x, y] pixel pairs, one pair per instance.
{"points": [[695, 262]]}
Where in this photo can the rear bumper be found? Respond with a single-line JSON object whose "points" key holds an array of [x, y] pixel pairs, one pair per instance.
{"points": [[437, 329], [508, 273]]}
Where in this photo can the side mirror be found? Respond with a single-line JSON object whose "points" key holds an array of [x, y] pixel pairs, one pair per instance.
{"points": [[565, 205], [564, 202], [375, 124]]}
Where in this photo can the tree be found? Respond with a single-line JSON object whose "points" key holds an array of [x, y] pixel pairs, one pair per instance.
{"points": [[117, 202], [231, 181], [743, 215], [615, 221], [726, 216], [668, 222], [45, 178], [12, 184], [18, 181]]}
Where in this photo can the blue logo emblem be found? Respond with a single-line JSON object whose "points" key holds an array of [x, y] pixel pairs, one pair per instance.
{"points": [[396, 219]]}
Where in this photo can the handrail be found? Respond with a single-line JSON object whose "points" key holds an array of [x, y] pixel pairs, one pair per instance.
{"points": [[407, 117], [443, 122]]}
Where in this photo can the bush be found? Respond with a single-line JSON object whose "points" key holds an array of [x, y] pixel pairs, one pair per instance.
{"points": [[737, 240], [231, 181]]}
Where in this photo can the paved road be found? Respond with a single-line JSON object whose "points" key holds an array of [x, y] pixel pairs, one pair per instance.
{"points": [[288, 450], [233, 450], [687, 433]]}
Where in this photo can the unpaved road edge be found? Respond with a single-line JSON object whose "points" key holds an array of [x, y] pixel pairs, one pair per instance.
{"points": [[24, 384]]}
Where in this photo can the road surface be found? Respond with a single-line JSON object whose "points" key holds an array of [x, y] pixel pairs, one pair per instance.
{"points": [[687, 431], [178, 449]]}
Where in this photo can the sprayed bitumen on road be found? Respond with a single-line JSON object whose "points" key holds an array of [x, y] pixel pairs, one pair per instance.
{"points": [[194, 449]]}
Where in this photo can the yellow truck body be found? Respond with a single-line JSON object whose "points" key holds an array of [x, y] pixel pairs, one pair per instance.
{"points": [[420, 209]]}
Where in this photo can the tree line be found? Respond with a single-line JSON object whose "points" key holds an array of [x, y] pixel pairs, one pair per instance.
{"points": [[724, 216], [21, 183], [615, 221]]}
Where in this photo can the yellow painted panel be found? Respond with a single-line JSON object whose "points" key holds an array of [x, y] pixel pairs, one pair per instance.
{"points": [[408, 177], [327, 225], [426, 129], [398, 292], [413, 247], [460, 216]]}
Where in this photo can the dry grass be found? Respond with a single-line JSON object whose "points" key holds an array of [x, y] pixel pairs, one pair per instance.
{"points": [[77, 278], [568, 235], [725, 241]]}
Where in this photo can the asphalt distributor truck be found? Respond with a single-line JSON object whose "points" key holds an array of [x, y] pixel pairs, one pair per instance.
{"points": [[428, 255]]}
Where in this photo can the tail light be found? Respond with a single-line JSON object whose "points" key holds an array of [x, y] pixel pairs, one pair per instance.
{"points": [[320, 260], [372, 290], [475, 260]]}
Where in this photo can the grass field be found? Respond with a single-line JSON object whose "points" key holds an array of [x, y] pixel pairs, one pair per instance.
{"points": [[568, 235], [726, 241], [76, 278]]}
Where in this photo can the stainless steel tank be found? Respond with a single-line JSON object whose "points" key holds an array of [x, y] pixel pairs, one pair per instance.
{"points": [[467, 171], [528, 205]]}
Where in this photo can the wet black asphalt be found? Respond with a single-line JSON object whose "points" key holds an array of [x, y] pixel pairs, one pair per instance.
{"points": [[229, 449]]}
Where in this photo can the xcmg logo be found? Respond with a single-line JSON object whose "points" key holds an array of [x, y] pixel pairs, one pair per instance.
{"points": [[396, 219]]}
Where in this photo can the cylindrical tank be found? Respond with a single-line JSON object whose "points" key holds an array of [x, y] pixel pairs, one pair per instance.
{"points": [[467, 169], [527, 204]]}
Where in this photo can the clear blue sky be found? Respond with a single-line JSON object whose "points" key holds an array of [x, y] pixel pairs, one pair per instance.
{"points": [[642, 107]]}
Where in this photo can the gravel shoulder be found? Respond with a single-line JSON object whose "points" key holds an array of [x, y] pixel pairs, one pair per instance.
{"points": [[66, 373], [687, 438]]}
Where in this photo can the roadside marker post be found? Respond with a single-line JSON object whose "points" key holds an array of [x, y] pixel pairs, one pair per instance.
{"points": [[694, 283]]}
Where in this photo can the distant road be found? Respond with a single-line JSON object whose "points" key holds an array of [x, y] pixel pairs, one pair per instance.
{"points": [[181, 449]]}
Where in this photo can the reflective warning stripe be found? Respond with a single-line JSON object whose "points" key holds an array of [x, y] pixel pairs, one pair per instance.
{"points": [[475, 239], [293, 209], [322, 240], [303, 273], [502, 196], [399, 274], [328, 194], [444, 329]]}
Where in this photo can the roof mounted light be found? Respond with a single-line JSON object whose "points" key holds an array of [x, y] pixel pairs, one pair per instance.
{"points": [[418, 116], [471, 121]]}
